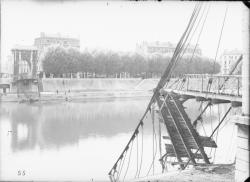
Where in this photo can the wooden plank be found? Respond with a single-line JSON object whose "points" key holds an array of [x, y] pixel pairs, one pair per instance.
{"points": [[243, 143], [196, 156], [170, 152], [176, 163], [242, 154], [194, 133], [242, 165], [243, 131], [241, 176], [242, 121], [172, 107], [170, 132], [205, 141]]}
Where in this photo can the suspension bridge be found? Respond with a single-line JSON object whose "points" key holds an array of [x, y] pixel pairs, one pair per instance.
{"points": [[182, 141]]}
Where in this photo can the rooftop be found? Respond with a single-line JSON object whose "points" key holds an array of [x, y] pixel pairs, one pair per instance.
{"points": [[158, 44], [164, 44], [23, 47], [55, 36]]}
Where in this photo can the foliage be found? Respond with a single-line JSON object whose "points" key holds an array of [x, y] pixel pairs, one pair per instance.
{"points": [[59, 61]]}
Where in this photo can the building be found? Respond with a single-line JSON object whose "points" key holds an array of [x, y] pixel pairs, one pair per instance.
{"points": [[45, 41], [164, 49], [228, 59], [7, 66], [25, 60]]}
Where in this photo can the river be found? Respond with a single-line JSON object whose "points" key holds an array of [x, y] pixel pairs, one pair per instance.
{"points": [[82, 140]]}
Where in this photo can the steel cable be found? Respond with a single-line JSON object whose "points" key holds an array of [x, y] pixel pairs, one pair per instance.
{"points": [[164, 77], [131, 148], [217, 133], [141, 152], [220, 38], [154, 155], [121, 166], [137, 155], [194, 32]]}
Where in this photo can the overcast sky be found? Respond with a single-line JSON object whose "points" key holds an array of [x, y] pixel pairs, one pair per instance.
{"points": [[117, 25]]}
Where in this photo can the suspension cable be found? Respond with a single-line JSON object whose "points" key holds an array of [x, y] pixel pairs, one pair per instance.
{"points": [[200, 117], [119, 169], [160, 151], [123, 159], [153, 126], [188, 31], [211, 126], [194, 32], [199, 39], [216, 138], [131, 148], [153, 157], [200, 32], [203, 128], [137, 155], [141, 151], [220, 38], [179, 48], [164, 77], [225, 115]]}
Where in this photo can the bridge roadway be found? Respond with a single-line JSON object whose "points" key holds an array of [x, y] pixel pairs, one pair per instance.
{"points": [[221, 88]]}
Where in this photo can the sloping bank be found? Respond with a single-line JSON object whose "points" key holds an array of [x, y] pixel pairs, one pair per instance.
{"points": [[96, 84], [71, 89], [96, 88]]}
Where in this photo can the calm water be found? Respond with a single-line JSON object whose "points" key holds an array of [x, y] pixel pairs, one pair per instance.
{"points": [[82, 140]]}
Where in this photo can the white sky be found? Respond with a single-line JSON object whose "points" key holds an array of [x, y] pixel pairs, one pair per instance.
{"points": [[118, 25]]}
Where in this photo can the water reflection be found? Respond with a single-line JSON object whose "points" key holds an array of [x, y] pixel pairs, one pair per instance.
{"points": [[60, 136], [23, 126], [59, 124]]}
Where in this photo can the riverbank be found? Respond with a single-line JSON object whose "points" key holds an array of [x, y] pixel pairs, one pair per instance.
{"points": [[53, 89], [215, 173], [209, 173], [75, 96]]}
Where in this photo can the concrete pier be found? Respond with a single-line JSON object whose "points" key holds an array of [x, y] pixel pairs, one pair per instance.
{"points": [[242, 153]]}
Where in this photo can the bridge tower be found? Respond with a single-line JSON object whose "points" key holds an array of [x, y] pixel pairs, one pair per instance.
{"points": [[25, 81]]}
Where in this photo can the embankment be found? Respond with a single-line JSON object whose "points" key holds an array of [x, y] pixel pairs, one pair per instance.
{"points": [[96, 84], [71, 89]]}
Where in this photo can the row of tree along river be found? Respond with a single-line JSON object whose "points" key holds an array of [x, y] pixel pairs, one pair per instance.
{"points": [[61, 62]]}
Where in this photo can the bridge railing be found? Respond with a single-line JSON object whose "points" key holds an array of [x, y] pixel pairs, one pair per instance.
{"points": [[218, 84]]}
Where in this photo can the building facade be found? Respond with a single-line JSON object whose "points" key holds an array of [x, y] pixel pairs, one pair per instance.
{"points": [[228, 59], [25, 60], [164, 49], [45, 41], [7, 67]]}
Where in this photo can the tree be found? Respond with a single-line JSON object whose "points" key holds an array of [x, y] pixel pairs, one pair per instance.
{"points": [[60, 61]]}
